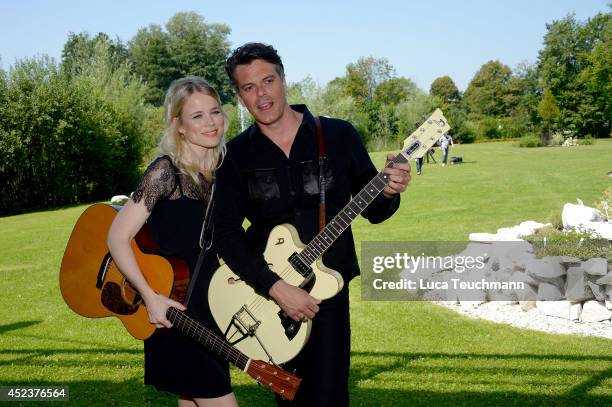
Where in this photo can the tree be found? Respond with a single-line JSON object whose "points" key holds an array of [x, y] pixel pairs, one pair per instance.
{"points": [[491, 91], [188, 47], [152, 60], [596, 80], [395, 90], [444, 88], [568, 51], [79, 50], [69, 136], [364, 77], [200, 49], [548, 111]]}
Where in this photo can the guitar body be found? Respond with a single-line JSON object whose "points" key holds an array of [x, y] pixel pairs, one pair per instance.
{"points": [[238, 309], [93, 286]]}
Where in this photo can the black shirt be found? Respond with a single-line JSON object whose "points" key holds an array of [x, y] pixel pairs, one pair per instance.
{"points": [[258, 182]]}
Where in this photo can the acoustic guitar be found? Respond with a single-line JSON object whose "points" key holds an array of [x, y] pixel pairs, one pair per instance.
{"points": [[93, 287]]}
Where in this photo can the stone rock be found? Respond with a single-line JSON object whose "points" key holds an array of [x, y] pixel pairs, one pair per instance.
{"points": [[549, 292], [528, 294], [594, 311], [598, 229], [524, 229], [501, 297], [547, 269], [470, 304], [476, 249], [525, 278], [481, 237], [609, 304], [527, 305], [119, 200], [599, 291], [609, 291], [560, 309], [607, 279], [570, 261], [575, 311], [576, 215], [576, 288], [596, 267]]}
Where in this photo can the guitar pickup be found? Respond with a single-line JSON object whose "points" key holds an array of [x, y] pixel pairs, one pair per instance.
{"points": [[298, 265]]}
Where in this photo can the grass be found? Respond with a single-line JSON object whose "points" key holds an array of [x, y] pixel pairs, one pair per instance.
{"points": [[404, 353]]}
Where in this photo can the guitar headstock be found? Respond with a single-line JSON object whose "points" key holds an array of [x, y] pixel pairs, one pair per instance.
{"points": [[276, 379], [428, 133]]}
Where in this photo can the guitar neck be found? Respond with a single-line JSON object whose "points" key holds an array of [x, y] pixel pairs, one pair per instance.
{"points": [[207, 338], [321, 242]]}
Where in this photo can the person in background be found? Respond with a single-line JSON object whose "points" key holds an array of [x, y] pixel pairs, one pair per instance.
{"points": [[445, 142], [419, 165]]}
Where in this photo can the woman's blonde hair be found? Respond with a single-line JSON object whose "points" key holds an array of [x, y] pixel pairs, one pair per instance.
{"points": [[173, 144]]}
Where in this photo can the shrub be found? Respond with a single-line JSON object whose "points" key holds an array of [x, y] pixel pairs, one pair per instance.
{"points": [[586, 141], [557, 139], [66, 139], [550, 241], [530, 141]]}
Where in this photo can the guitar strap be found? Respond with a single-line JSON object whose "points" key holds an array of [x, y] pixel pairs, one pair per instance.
{"points": [[206, 240], [322, 181]]}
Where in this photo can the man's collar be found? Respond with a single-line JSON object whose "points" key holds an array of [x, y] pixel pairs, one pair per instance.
{"points": [[307, 119]]}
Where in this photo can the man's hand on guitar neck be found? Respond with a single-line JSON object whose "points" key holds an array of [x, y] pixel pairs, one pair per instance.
{"points": [[399, 177], [157, 307], [297, 303]]}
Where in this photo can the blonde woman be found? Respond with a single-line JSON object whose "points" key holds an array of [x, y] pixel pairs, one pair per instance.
{"points": [[172, 197]]}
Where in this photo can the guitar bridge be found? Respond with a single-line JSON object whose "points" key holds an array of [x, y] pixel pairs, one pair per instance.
{"points": [[245, 321], [246, 326]]}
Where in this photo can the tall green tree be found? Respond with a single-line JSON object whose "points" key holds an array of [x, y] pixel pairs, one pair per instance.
{"points": [[80, 49], [200, 49], [548, 111], [189, 46], [394, 91], [444, 88], [152, 60], [365, 76], [568, 51], [492, 91]]}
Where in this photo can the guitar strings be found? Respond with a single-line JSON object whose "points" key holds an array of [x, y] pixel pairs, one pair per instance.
{"points": [[209, 339], [288, 271]]}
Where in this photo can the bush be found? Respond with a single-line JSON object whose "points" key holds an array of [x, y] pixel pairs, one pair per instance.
{"points": [[549, 241], [557, 139], [490, 128], [586, 141], [66, 139], [530, 141]]}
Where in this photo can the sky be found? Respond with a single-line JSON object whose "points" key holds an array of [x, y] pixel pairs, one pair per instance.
{"points": [[422, 40]]}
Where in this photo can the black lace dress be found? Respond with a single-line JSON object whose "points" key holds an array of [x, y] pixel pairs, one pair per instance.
{"points": [[173, 361]]}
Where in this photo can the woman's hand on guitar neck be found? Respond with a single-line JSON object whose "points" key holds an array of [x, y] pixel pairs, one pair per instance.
{"points": [[297, 303], [157, 307]]}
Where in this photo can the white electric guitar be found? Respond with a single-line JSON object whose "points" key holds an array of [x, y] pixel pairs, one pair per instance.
{"points": [[257, 326]]}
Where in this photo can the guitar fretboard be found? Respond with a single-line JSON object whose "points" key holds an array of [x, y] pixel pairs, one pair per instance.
{"points": [[321, 242], [206, 337]]}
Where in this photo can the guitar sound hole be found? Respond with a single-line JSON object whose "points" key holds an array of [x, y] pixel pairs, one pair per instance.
{"points": [[112, 299], [232, 280]]}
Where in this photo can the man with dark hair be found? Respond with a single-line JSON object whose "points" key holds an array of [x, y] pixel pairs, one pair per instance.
{"points": [[270, 176]]}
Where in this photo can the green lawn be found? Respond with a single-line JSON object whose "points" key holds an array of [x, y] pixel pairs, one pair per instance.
{"points": [[404, 353]]}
